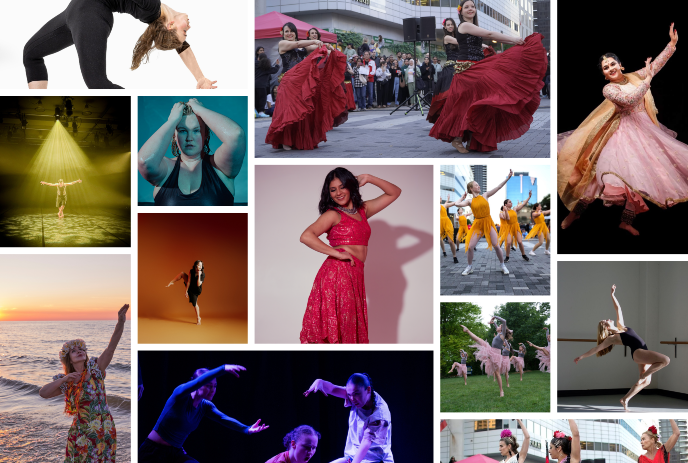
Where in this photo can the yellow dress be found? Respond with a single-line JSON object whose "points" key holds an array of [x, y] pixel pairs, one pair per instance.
{"points": [[463, 229], [483, 222], [540, 227], [502, 231], [446, 227], [512, 227]]}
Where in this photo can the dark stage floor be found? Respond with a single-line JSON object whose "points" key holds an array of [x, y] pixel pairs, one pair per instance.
{"points": [[79, 227]]}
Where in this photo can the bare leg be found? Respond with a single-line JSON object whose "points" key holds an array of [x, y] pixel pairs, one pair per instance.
{"points": [[656, 361], [499, 380], [198, 313], [38, 84], [519, 238], [540, 240], [495, 239], [180, 276], [627, 217], [452, 246], [508, 245], [507, 379], [452, 368], [442, 246], [60, 213], [520, 370], [548, 239], [458, 144], [474, 240], [637, 387]]}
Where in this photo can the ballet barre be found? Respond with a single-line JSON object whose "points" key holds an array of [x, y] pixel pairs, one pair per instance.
{"points": [[675, 342], [584, 340]]}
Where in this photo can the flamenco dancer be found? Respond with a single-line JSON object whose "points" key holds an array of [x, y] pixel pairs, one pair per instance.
{"points": [[87, 25], [513, 230], [193, 283], [566, 449], [483, 224], [655, 451], [543, 354], [463, 226], [61, 200], [195, 177], [461, 367], [609, 335], [307, 112], [337, 311], [447, 229], [301, 444], [182, 414], [634, 158], [491, 99], [508, 446], [517, 360], [540, 229], [490, 356], [370, 423], [92, 436]]}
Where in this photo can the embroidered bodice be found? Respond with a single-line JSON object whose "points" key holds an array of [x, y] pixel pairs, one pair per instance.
{"points": [[292, 57], [349, 230], [452, 51], [470, 47]]}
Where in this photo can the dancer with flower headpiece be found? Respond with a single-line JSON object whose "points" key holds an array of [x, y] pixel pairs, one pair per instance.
{"points": [[517, 360], [490, 356], [563, 448], [543, 353], [609, 335], [655, 451], [508, 445], [461, 367], [92, 436]]}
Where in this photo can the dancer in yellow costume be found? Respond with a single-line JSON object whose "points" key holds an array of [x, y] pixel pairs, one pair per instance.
{"points": [[513, 232], [447, 229], [483, 224], [463, 226], [502, 228], [540, 229]]}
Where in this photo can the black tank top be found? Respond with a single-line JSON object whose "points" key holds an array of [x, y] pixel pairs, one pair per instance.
{"points": [[292, 57], [452, 51], [212, 191], [193, 284], [64, 191], [631, 339], [470, 47], [145, 11]]}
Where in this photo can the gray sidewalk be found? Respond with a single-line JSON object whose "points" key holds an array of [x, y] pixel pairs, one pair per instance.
{"points": [[376, 134], [530, 278]]}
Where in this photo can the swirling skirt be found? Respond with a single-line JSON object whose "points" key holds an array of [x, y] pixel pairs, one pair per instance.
{"points": [[490, 358], [446, 228], [462, 234], [537, 229], [481, 227], [544, 360], [461, 370], [518, 363]]}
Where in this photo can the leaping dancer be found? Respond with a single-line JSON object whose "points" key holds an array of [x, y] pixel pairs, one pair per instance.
{"points": [[461, 367], [61, 200], [490, 356], [517, 360], [543, 354]]}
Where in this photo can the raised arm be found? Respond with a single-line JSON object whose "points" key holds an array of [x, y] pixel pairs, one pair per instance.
{"points": [[664, 56], [151, 160], [463, 202], [575, 442], [617, 307], [472, 29], [326, 388], [504, 327], [106, 357], [495, 190], [520, 206], [230, 155], [195, 384], [391, 193], [525, 445], [191, 64], [675, 434]]}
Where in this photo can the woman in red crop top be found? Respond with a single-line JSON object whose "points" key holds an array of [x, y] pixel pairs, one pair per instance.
{"points": [[336, 310], [656, 452]]}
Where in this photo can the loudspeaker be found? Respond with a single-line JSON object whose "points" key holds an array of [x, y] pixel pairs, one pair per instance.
{"points": [[412, 30], [427, 29]]}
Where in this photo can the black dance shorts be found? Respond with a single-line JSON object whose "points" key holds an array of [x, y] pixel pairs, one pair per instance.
{"points": [[61, 201], [152, 452]]}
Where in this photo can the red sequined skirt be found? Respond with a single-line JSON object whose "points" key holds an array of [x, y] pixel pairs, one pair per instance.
{"points": [[494, 99], [337, 311]]}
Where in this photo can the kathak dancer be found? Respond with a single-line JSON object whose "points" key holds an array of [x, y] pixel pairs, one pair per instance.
{"points": [[655, 451], [609, 335], [193, 282], [61, 200], [183, 412], [508, 446], [513, 230], [92, 437], [489, 99], [563, 448], [306, 112], [621, 154], [517, 360], [447, 229], [490, 355], [301, 444], [483, 225], [461, 367], [543, 354], [369, 439], [337, 310], [540, 229]]}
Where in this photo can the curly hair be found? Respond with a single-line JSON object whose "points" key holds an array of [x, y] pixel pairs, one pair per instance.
{"points": [[156, 36], [206, 139], [296, 433], [350, 183]]}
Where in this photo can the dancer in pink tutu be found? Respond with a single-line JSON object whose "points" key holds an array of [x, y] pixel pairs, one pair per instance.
{"points": [[461, 367], [506, 352], [621, 154], [543, 354], [517, 360], [490, 356]]}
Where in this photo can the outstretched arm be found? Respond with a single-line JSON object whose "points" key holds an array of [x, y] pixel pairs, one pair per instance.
{"points": [[463, 202], [195, 384], [663, 57], [326, 388], [542, 349], [48, 184], [520, 206], [495, 190], [151, 160], [286, 45], [391, 193], [614, 339], [675, 434], [72, 183], [523, 453], [106, 357], [219, 417], [468, 28], [575, 442], [191, 64], [617, 307], [230, 155]]}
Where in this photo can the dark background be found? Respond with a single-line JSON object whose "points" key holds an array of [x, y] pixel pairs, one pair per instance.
{"points": [[272, 389], [634, 31]]}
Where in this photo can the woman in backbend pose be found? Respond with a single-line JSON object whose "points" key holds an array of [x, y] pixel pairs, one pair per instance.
{"points": [[517, 360], [301, 443], [370, 423], [483, 224], [566, 449], [490, 356], [193, 283], [461, 367], [61, 200], [92, 437], [655, 451], [508, 446], [447, 229], [195, 178], [513, 232], [540, 229], [183, 412], [621, 154], [543, 354], [492, 99], [609, 335], [337, 311], [307, 112], [87, 25]]}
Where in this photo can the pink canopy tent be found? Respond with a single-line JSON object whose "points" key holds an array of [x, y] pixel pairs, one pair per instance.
{"points": [[269, 25], [478, 459]]}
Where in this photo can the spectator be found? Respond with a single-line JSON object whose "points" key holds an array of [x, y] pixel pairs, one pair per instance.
{"points": [[350, 52], [403, 86], [263, 72], [382, 78], [361, 72], [400, 58], [370, 92], [395, 73], [438, 67], [427, 73], [411, 75], [272, 99], [259, 50], [375, 57], [363, 48], [340, 46]]}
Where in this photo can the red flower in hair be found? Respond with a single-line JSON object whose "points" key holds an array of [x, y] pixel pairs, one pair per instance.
{"points": [[559, 434], [652, 429]]}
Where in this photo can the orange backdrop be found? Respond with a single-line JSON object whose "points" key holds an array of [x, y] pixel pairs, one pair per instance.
{"points": [[170, 243]]}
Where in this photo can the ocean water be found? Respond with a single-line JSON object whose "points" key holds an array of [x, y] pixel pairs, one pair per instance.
{"points": [[35, 429]]}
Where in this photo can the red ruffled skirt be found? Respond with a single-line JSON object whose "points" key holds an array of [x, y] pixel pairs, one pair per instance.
{"points": [[349, 90], [494, 99], [490, 357], [518, 363], [311, 101], [544, 360], [337, 311]]}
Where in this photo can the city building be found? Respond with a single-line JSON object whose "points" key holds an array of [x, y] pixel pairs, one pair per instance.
{"points": [[679, 454], [541, 15], [453, 180], [518, 186], [480, 176], [602, 441]]}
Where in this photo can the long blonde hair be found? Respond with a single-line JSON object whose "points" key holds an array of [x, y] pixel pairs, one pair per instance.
{"points": [[602, 334], [157, 36]]}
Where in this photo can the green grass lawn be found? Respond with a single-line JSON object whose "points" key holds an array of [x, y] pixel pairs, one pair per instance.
{"points": [[482, 394]]}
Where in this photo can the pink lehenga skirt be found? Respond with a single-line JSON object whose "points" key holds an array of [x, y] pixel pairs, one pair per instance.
{"points": [[505, 366], [337, 311], [518, 363], [490, 357], [544, 360]]}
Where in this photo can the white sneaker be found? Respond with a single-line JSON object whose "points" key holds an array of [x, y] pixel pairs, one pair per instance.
{"points": [[505, 271], [547, 252], [468, 270], [532, 253], [262, 115]]}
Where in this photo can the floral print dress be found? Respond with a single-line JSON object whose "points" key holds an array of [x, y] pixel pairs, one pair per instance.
{"points": [[92, 437]]}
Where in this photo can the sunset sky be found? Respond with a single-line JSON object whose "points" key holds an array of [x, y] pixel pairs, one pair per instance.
{"points": [[64, 287]]}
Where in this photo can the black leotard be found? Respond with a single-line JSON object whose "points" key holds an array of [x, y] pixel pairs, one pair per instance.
{"points": [[212, 191], [631, 339]]}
